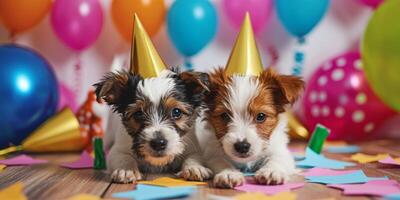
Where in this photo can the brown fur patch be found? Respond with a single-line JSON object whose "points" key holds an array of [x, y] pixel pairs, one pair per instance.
{"points": [[171, 103], [217, 94]]}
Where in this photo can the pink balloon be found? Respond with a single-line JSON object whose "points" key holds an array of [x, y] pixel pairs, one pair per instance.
{"points": [[372, 3], [77, 23], [339, 97], [260, 11], [67, 98]]}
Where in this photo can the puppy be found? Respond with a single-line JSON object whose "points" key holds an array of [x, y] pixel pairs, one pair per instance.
{"points": [[247, 116], [155, 132]]}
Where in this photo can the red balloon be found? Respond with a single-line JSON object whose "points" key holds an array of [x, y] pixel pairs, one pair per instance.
{"points": [[339, 97]]}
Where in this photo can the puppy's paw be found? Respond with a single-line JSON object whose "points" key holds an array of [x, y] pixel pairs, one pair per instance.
{"points": [[228, 179], [125, 176], [195, 173], [272, 175]]}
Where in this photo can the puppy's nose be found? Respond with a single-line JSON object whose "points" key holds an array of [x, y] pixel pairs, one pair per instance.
{"points": [[242, 147], [158, 144]]}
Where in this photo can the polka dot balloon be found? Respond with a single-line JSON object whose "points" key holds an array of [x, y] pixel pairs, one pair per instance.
{"points": [[338, 96]]}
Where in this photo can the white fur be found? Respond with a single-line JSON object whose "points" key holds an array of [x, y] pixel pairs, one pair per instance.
{"points": [[155, 88]]}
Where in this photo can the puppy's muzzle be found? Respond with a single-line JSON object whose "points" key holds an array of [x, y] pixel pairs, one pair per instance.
{"points": [[158, 144], [242, 148]]}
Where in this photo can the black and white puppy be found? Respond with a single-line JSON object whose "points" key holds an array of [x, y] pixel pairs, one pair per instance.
{"points": [[246, 118], [158, 116]]}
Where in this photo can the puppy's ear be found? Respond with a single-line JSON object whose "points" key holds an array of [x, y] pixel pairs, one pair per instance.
{"points": [[287, 89], [117, 89], [196, 84]]}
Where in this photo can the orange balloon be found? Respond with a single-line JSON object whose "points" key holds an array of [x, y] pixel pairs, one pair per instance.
{"points": [[21, 15], [150, 12]]}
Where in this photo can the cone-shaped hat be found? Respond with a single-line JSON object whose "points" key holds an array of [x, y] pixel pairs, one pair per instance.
{"points": [[145, 60], [245, 58]]}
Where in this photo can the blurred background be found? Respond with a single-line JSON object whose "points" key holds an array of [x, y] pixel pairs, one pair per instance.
{"points": [[320, 40]]}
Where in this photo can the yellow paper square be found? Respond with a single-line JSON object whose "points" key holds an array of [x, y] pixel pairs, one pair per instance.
{"points": [[2, 167], [13, 192], [261, 196], [172, 182], [84, 197], [365, 158]]}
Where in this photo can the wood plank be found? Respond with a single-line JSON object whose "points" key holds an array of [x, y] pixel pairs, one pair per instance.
{"points": [[49, 181]]}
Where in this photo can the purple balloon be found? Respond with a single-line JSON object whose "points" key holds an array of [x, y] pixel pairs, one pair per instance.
{"points": [[260, 11], [77, 23], [339, 97]]}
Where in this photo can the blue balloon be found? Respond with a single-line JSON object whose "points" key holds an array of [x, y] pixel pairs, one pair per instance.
{"points": [[29, 93], [299, 17], [191, 25]]}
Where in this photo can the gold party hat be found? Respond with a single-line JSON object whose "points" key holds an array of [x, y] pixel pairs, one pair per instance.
{"points": [[59, 133], [296, 129], [145, 60], [245, 58]]}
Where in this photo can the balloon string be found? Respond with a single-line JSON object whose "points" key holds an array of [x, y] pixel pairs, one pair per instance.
{"points": [[274, 55], [188, 64], [10, 150], [299, 58], [78, 78], [11, 37]]}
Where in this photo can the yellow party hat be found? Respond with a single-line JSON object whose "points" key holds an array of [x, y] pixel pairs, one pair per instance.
{"points": [[59, 133], [245, 58], [145, 60]]}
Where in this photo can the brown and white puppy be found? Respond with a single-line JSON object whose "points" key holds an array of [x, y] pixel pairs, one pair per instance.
{"points": [[155, 132], [247, 116]]}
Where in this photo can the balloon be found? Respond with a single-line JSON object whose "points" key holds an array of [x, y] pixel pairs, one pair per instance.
{"points": [[339, 97], [77, 23], [300, 17], [372, 3], [21, 15], [260, 11], [380, 53], [29, 92], [191, 25], [150, 12], [67, 98]]}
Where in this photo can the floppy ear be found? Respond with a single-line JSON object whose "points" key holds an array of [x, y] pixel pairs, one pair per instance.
{"points": [[196, 84], [286, 89], [117, 89]]}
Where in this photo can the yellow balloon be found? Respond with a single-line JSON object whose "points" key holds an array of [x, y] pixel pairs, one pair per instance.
{"points": [[381, 53]]}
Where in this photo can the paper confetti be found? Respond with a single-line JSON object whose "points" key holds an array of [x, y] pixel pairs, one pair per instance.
{"points": [[392, 197], [326, 172], [317, 160], [21, 160], [356, 177], [375, 188], [2, 167], [13, 192], [365, 158], [390, 161], [248, 174], [250, 186], [84, 197], [148, 192], [343, 149], [172, 182], [85, 161], [261, 196]]}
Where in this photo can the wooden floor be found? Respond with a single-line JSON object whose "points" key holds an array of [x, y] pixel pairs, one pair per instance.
{"points": [[48, 181]]}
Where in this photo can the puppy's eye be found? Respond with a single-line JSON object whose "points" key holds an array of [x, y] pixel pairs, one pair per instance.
{"points": [[138, 115], [261, 117], [176, 113], [225, 116]]}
